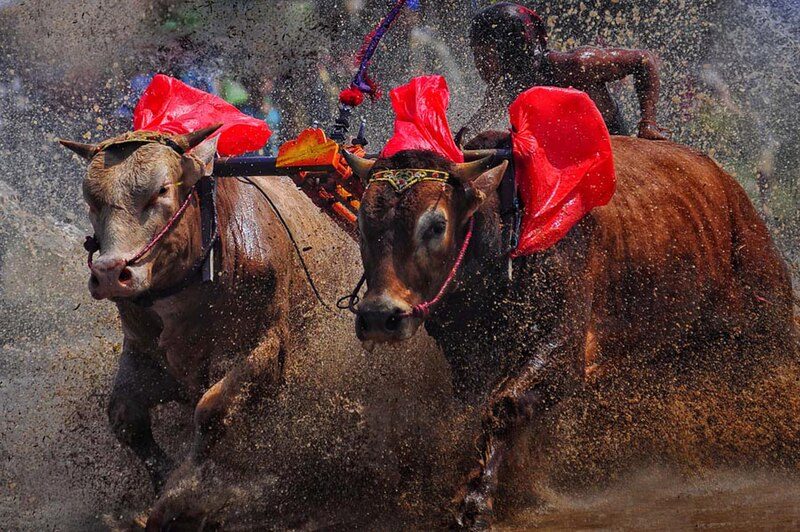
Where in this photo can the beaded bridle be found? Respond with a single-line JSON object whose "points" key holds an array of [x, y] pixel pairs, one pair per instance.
{"points": [[401, 180]]}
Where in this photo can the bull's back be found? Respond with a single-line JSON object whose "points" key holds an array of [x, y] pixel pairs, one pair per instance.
{"points": [[273, 239], [329, 254], [681, 249]]}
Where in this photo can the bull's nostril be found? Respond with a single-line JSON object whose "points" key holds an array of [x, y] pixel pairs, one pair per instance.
{"points": [[362, 323], [125, 275], [93, 279], [392, 323]]}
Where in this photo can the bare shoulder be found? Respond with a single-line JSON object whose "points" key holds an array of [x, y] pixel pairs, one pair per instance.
{"points": [[566, 65], [589, 53]]}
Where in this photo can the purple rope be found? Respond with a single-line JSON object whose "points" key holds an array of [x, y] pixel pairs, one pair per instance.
{"points": [[360, 80]]}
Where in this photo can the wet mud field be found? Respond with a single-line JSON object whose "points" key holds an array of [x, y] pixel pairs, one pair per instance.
{"points": [[360, 440]]}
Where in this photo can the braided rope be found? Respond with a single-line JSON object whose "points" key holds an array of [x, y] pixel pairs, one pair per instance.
{"points": [[91, 245], [422, 310], [164, 230]]}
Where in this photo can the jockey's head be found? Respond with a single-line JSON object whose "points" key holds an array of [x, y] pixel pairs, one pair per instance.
{"points": [[507, 40]]}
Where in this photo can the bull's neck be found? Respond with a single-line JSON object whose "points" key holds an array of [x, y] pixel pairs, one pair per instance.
{"points": [[199, 315], [470, 319]]}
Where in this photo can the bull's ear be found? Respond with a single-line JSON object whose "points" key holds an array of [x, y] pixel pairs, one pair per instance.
{"points": [[199, 162], [483, 185], [87, 151], [205, 154]]}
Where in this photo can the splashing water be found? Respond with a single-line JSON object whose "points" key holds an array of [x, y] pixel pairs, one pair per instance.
{"points": [[357, 437]]}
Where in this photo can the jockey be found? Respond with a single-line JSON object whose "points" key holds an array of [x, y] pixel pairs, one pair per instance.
{"points": [[509, 44]]}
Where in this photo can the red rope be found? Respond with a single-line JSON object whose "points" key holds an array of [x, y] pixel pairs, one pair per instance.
{"points": [[92, 246], [164, 230], [423, 309]]}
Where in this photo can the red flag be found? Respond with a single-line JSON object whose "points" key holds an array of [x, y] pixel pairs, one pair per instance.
{"points": [[562, 160], [420, 123], [170, 106]]}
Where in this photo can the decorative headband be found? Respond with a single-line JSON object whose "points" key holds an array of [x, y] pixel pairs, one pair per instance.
{"points": [[405, 178], [144, 137]]}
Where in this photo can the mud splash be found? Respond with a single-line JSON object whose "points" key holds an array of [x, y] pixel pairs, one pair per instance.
{"points": [[357, 440], [660, 500], [373, 441]]}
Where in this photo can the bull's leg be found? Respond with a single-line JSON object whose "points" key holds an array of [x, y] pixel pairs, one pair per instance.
{"points": [[519, 401], [556, 367], [141, 383], [262, 367]]}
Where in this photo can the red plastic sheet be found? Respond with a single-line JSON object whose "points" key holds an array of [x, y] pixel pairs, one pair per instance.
{"points": [[563, 163], [420, 123], [170, 106]]}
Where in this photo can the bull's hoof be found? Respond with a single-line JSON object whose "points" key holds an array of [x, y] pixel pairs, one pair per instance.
{"points": [[474, 512]]}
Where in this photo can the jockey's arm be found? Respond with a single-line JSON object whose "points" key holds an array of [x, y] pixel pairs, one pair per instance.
{"points": [[595, 66]]}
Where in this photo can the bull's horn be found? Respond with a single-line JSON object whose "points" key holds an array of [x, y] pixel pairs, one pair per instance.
{"points": [[359, 165], [474, 155], [87, 151], [470, 171], [459, 139], [196, 137]]}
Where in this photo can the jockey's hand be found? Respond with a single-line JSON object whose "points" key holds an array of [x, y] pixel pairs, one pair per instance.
{"points": [[650, 130]]}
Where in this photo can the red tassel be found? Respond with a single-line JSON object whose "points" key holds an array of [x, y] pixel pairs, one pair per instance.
{"points": [[351, 96], [375, 91]]}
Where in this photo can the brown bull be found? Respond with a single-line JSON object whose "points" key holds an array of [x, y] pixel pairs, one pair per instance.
{"points": [[677, 260], [206, 342]]}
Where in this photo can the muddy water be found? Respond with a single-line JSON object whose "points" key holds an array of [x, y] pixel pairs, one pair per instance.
{"points": [[374, 440], [656, 500]]}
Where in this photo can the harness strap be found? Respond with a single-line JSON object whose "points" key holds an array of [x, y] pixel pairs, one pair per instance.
{"points": [[208, 223], [194, 274], [291, 237], [164, 230], [148, 298], [422, 310]]}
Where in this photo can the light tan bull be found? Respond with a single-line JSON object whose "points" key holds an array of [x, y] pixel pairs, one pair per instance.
{"points": [[176, 342]]}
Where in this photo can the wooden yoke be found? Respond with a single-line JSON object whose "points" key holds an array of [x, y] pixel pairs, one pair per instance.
{"points": [[315, 164]]}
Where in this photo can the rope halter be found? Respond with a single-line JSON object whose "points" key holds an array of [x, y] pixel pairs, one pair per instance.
{"points": [[401, 180]]}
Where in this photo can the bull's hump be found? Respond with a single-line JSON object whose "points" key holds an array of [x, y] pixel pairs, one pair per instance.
{"points": [[670, 201]]}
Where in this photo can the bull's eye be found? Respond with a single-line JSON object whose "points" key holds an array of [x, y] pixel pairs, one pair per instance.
{"points": [[154, 199], [435, 230]]}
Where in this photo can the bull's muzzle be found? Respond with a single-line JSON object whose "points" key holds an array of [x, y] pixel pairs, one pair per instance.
{"points": [[384, 319], [111, 277]]}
